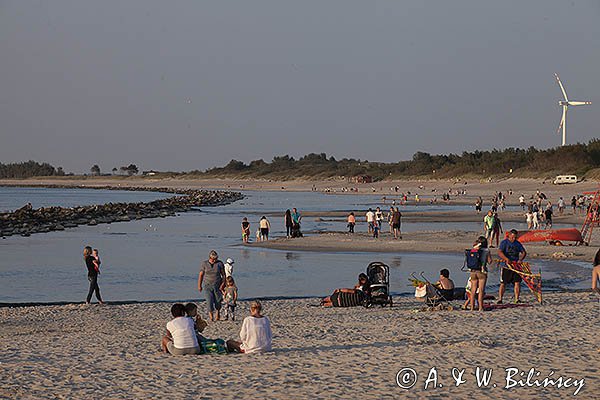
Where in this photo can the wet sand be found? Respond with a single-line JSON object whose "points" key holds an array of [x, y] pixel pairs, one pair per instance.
{"points": [[112, 351], [423, 241]]}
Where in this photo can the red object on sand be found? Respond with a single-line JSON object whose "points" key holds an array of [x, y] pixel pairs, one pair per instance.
{"points": [[562, 235]]}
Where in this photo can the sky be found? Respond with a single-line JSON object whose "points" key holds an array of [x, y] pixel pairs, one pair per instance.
{"points": [[184, 85]]}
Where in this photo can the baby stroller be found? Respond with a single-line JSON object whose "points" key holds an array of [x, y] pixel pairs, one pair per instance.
{"points": [[296, 233], [431, 295], [379, 277]]}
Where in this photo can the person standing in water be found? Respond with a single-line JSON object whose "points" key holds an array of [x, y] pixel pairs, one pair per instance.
{"points": [[93, 270], [287, 220], [245, 230], [265, 227]]}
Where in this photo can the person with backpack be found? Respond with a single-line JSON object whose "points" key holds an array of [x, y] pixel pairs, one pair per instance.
{"points": [[477, 260]]}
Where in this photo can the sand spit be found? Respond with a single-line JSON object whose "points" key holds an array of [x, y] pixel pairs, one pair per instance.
{"points": [[423, 241], [112, 351]]}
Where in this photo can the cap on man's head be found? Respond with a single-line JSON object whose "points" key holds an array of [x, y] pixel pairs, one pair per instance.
{"points": [[213, 254], [230, 261], [514, 231]]}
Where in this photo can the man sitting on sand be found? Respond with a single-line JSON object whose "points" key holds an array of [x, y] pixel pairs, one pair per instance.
{"points": [[255, 333], [445, 285], [510, 250], [180, 338]]}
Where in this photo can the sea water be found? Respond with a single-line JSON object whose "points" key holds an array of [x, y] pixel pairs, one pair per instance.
{"points": [[158, 259]]}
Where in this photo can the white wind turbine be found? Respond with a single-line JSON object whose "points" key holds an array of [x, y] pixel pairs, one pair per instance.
{"points": [[565, 105]]}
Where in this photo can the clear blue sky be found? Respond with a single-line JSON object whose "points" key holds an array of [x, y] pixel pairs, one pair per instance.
{"points": [[181, 85]]}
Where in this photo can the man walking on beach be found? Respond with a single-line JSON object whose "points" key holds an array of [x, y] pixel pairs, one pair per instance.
{"points": [[370, 220], [211, 279], [510, 250], [396, 221], [488, 225]]}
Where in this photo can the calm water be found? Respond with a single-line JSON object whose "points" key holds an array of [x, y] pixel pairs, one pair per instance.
{"points": [[159, 258], [12, 198]]}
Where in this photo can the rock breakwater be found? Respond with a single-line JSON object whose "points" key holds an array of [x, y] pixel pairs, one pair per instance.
{"points": [[27, 220]]}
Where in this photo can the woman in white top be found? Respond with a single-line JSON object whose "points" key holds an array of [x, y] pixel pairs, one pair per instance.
{"points": [[255, 333], [181, 336]]}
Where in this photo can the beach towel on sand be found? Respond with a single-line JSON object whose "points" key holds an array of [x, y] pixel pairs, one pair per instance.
{"points": [[344, 299]]}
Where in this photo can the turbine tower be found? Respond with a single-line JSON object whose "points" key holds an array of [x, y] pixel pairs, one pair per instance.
{"points": [[565, 106]]}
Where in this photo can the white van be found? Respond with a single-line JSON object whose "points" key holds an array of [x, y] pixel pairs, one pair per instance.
{"points": [[562, 179]]}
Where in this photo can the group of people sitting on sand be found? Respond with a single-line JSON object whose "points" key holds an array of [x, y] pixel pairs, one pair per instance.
{"points": [[184, 333]]}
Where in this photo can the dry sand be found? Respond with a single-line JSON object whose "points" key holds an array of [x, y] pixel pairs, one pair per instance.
{"points": [[474, 187], [112, 351]]}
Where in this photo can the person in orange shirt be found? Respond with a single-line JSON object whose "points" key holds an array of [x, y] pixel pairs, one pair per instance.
{"points": [[351, 222]]}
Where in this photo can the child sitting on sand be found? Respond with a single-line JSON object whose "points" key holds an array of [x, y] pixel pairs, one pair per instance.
{"points": [[191, 310], [180, 338], [230, 298]]}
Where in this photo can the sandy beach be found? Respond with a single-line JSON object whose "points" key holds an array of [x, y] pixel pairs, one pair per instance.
{"points": [[112, 351], [77, 351], [424, 187]]}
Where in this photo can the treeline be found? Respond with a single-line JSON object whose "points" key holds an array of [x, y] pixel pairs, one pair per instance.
{"points": [[29, 169], [574, 159]]}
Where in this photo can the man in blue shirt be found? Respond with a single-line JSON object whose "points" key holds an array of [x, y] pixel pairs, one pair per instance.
{"points": [[510, 250]]}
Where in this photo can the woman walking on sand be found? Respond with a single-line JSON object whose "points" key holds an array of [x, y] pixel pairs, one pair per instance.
{"points": [[93, 268]]}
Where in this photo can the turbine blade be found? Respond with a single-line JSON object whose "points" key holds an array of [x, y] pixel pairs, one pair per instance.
{"points": [[562, 120], [561, 87], [580, 103]]}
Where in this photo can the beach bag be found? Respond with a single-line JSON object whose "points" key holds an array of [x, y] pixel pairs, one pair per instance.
{"points": [[213, 346], [421, 292], [473, 259]]}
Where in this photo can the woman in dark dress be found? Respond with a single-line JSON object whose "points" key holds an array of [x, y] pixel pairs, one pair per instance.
{"points": [[288, 223], [93, 270]]}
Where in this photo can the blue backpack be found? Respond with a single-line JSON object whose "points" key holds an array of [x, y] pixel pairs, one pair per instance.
{"points": [[473, 259]]}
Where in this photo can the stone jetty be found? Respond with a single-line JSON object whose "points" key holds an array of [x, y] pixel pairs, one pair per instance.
{"points": [[27, 220]]}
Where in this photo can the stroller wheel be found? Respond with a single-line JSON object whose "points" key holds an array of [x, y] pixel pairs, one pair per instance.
{"points": [[391, 303]]}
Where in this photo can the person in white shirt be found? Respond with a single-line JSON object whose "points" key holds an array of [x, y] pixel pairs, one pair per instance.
{"points": [[181, 335], [255, 333], [229, 267], [370, 220]]}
